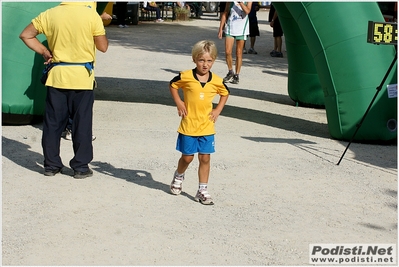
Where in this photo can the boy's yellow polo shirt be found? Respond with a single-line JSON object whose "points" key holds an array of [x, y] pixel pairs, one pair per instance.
{"points": [[198, 101]]}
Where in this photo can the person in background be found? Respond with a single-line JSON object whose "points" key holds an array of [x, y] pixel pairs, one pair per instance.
{"points": [[234, 23], [197, 126], [67, 134], [74, 30], [253, 28], [152, 6], [183, 5], [196, 9], [121, 11], [277, 32]]}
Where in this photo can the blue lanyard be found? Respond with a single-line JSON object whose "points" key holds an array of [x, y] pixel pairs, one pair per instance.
{"points": [[88, 65]]}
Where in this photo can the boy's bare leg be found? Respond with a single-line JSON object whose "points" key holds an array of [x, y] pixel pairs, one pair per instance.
{"points": [[184, 161], [203, 173], [204, 167], [176, 185]]}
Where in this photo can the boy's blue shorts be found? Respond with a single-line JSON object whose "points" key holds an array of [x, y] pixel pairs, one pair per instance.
{"points": [[189, 145]]}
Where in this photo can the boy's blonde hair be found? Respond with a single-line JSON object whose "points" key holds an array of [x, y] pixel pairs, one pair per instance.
{"points": [[202, 47]]}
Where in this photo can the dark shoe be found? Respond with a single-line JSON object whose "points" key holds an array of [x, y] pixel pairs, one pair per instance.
{"points": [[82, 175], [252, 51], [277, 54], [235, 80], [52, 172], [229, 77]]}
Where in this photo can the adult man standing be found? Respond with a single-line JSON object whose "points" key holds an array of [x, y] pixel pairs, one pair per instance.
{"points": [[73, 30]]}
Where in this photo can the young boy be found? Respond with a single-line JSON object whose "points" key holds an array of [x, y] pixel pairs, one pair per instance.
{"points": [[197, 130]]}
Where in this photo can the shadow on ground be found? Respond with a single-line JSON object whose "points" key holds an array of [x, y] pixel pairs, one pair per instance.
{"points": [[157, 92], [20, 154], [139, 177]]}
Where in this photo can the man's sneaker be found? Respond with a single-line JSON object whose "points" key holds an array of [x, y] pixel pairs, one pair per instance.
{"points": [[229, 77], [68, 135], [235, 80], [204, 197], [52, 172], [277, 54], [82, 175], [273, 51], [252, 51], [177, 184], [159, 20], [244, 51]]}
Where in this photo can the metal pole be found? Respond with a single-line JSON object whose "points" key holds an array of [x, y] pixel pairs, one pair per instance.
{"points": [[369, 107]]}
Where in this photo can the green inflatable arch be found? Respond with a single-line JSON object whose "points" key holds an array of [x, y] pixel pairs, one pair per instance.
{"points": [[330, 64]]}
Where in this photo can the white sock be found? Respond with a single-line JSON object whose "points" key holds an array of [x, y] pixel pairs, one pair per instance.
{"points": [[180, 175], [202, 186]]}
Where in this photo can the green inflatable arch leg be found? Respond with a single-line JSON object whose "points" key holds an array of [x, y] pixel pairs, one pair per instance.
{"points": [[303, 81], [23, 96], [349, 69]]}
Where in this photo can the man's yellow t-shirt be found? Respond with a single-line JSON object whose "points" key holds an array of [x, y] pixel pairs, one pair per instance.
{"points": [[70, 29]]}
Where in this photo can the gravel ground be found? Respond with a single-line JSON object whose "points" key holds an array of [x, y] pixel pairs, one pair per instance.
{"points": [[274, 177]]}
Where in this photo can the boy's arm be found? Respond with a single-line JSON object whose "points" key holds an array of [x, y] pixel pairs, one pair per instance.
{"points": [[181, 107], [216, 112]]}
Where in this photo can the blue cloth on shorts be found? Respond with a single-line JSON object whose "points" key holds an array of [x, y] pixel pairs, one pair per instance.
{"points": [[189, 145]]}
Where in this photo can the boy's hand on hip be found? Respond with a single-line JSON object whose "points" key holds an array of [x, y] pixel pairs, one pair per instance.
{"points": [[181, 110], [213, 116]]}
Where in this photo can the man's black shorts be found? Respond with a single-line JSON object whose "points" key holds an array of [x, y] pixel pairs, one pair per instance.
{"points": [[253, 30], [277, 30]]}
